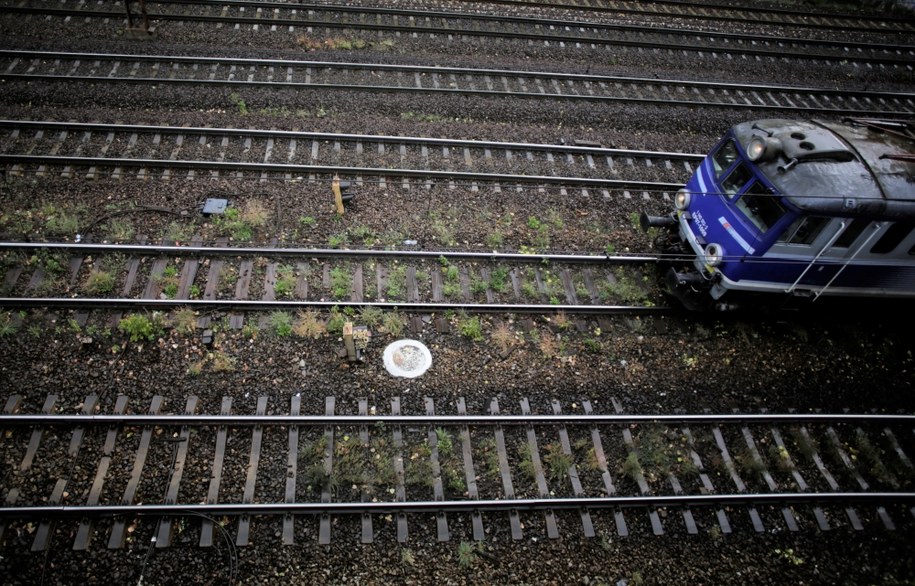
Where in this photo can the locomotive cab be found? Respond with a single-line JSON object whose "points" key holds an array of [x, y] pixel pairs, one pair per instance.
{"points": [[794, 208]]}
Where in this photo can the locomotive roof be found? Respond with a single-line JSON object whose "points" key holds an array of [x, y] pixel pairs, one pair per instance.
{"points": [[860, 168]]}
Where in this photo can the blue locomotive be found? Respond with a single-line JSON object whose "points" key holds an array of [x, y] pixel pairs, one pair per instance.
{"points": [[797, 209]]}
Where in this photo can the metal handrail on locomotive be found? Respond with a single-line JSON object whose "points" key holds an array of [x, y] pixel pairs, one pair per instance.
{"points": [[798, 209]]}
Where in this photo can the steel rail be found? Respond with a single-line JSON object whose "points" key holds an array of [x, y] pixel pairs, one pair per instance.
{"points": [[454, 71], [448, 91], [388, 253], [853, 21], [904, 51], [289, 169], [276, 251], [342, 137], [448, 419], [381, 507], [15, 53], [249, 305], [501, 19], [280, 168], [84, 248]]}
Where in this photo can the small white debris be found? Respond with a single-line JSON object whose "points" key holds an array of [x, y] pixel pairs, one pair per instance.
{"points": [[407, 358]]}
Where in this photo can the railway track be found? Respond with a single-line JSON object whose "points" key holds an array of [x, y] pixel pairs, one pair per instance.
{"points": [[756, 15], [287, 465], [276, 16], [90, 276], [240, 74], [110, 469], [116, 150]]}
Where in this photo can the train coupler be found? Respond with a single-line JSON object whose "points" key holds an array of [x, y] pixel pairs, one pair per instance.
{"points": [[647, 222], [690, 289]]}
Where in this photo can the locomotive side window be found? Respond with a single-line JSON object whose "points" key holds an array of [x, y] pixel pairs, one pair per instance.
{"points": [[760, 206], [735, 180], [804, 230], [892, 238], [723, 157], [851, 233]]}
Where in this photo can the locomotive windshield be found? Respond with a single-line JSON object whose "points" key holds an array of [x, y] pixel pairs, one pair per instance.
{"points": [[735, 180], [760, 206], [724, 156], [757, 202]]}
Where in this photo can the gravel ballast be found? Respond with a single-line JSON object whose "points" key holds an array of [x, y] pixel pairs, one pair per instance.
{"points": [[856, 356]]}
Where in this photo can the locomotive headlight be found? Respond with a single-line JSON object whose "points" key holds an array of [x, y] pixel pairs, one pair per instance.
{"points": [[714, 254], [763, 148], [682, 199], [756, 149]]}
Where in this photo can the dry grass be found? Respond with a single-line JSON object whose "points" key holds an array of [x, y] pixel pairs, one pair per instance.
{"points": [[254, 213], [393, 323], [334, 43], [222, 362], [503, 337], [562, 321], [196, 368], [184, 320], [308, 325], [549, 347]]}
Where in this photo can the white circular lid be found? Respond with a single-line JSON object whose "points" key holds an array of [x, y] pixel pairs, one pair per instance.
{"points": [[407, 358]]}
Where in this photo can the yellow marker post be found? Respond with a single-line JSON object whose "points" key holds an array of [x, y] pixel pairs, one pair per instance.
{"points": [[338, 197], [348, 342]]}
